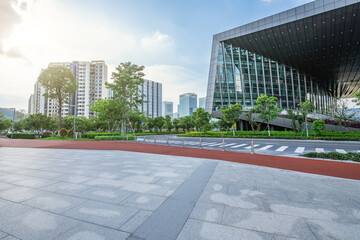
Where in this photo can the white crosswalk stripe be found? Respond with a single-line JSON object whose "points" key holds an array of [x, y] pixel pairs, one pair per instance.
{"points": [[237, 146], [214, 144], [299, 150], [255, 145], [319, 150], [340, 150], [205, 144], [227, 145], [266, 147], [281, 149]]}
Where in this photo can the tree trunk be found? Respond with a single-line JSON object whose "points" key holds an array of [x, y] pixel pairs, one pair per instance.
{"points": [[307, 129], [59, 116], [268, 126], [233, 131]]}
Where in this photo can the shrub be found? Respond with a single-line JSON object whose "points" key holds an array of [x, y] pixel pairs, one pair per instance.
{"points": [[46, 134], [63, 132], [70, 134], [351, 156], [55, 133], [22, 135], [113, 138], [318, 126]]}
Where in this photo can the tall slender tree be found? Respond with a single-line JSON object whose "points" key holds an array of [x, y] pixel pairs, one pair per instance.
{"points": [[266, 106], [127, 79], [59, 83], [232, 114]]}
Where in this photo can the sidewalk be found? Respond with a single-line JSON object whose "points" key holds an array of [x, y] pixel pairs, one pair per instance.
{"points": [[322, 167]]}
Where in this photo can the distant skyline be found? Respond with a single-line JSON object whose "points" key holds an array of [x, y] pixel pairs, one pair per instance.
{"points": [[171, 39]]}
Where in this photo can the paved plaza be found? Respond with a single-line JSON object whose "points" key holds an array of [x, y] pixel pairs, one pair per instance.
{"points": [[98, 194]]}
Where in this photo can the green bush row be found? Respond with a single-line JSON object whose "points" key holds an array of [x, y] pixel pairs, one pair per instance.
{"points": [[276, 136], [114, 138], [351, 156], [93, 135], [22, 135]]}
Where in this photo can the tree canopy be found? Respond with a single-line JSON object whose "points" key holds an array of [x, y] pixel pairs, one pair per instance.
{"points": [[59, 83], [231, 115], [266, 106]]}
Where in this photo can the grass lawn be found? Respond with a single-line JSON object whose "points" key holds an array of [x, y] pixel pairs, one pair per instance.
{"points": [[351, 156], [66, 139]]}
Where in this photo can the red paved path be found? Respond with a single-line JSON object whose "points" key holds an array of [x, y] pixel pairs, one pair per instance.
{"points": [[322, 167]]}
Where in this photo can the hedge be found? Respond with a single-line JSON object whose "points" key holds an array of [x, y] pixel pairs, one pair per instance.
{"points": [[114, 138], [327, 135], [22, 135], [93, 135], [351, 156]]}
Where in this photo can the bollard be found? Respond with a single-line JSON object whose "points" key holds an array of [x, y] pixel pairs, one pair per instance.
{"points": [[252, 147], [200, 143], [167, 141], [154, 139], [223, 148], [182, 141], [127, 138], [135, 138], [144, 139]]}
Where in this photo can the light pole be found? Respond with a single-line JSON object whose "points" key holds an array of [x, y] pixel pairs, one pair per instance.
{"points": [[75, 108], [12, 131]]}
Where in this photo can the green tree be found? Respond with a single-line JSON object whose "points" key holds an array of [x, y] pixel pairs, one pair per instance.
{"points": [[201, 118], [20, 114], [59, 83], [159, 122], [126, 89], [150, 123], [20, 125], [187, 123], [232, 114], [5, 124], [255, 126], [38, 122], [168, 123], [306, 108], [342, 116], [176, 123], [135, 119], [318, 126], [108, 111], [266, 106]]}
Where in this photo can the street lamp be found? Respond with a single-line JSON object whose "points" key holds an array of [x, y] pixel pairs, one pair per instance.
{"points": [[75, 108], [12, 131]]}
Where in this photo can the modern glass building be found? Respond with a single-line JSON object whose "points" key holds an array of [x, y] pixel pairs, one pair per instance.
{"points": [[187, 104], [152, 100], [167, 108], [307, 53]]}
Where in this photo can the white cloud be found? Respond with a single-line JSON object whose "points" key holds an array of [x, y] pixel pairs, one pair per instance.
{"points": [[158, 43], [176, 80]]}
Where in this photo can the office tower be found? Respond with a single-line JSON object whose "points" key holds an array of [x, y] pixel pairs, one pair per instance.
{"points": [[202, 102], [167, 109], [188, 104]]}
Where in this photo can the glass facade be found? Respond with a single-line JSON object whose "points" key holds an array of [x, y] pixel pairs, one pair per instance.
{"points": [[242, 76]]}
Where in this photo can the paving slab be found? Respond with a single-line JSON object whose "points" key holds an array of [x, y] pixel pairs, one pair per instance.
{"points": [[87, 231], [97, 194], [104, 214]]}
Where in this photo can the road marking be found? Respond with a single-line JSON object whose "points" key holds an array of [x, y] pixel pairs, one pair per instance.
{"points": [[281, 149], [214, 144], [250, 146], [227, 145], [319, 150], [236, 146], [300, 150], [204, 144], [340, 150], [266, 147]]}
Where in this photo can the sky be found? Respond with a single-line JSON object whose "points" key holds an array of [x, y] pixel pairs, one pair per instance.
{"points": [[172, 39]]}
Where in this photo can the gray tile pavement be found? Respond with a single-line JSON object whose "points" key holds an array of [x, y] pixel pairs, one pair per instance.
{"points": [[86, 194]]}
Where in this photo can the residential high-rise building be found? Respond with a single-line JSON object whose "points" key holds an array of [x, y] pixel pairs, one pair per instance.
{"points": [[188, 104], [167, 109], [202, 102], [91, 78], [310, 52], [152, 101], [31, 104]]}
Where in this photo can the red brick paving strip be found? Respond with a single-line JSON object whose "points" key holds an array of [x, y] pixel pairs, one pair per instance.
{"points": [[328, 168]]}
